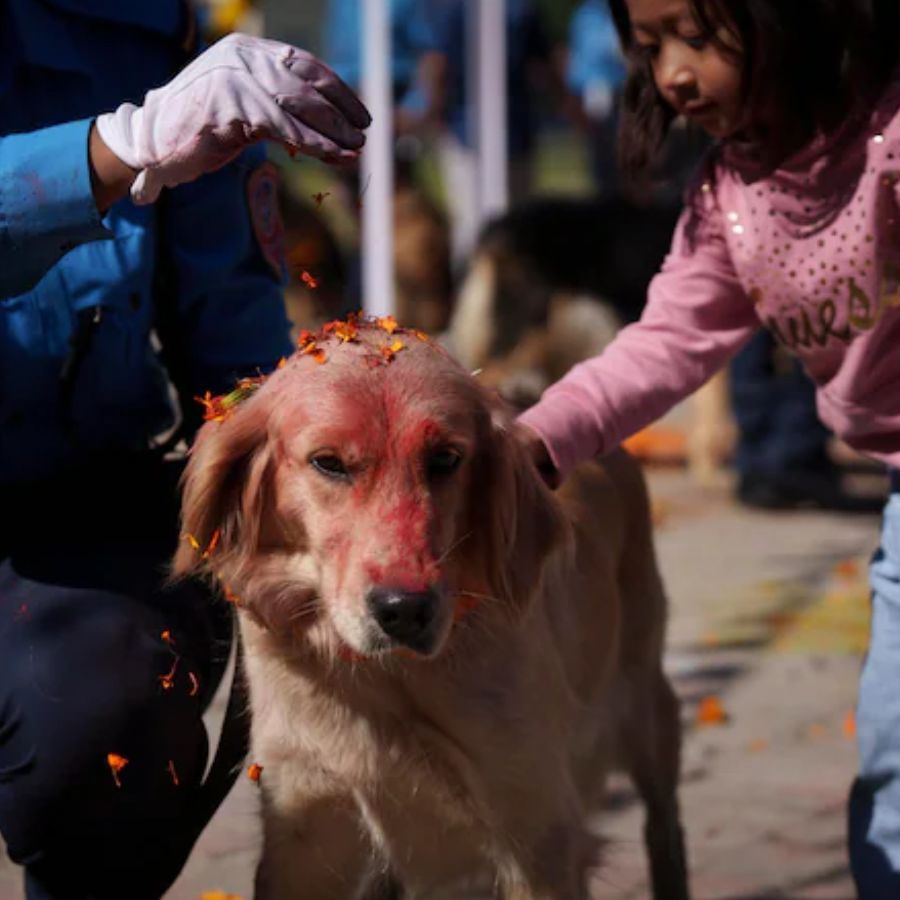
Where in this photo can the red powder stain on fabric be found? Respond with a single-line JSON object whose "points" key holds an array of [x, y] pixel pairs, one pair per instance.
{"points": [[22, 613], [33, 180]]}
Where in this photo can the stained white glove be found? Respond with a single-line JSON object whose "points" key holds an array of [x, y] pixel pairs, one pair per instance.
{"points": [[241, 90]]}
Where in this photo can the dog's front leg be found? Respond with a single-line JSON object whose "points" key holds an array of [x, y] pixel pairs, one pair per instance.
{"points": [[552, 865], [313, 849]]}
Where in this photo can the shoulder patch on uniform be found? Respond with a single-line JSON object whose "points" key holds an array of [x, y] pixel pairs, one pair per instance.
{"points": [[265, 214]]}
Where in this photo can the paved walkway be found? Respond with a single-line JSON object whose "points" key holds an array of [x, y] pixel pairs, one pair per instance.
{"points": [[769, 617]]}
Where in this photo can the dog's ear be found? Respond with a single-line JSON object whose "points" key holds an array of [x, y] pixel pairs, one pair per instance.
{"points": [[225, 489], [517, 520]]}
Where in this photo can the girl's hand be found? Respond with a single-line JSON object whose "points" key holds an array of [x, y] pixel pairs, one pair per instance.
{"points": [[537, 451], [241, 90]]}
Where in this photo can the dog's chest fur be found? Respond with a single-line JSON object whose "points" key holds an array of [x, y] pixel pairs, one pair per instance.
{"points": [[437, 765]]}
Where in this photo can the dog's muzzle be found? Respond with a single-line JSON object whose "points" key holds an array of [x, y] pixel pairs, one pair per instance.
{"points": [[408, 618]]}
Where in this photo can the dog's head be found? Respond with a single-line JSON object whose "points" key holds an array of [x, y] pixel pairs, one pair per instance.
{"points": [[367, 501]]}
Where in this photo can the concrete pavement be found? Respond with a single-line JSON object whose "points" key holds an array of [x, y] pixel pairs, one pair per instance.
{"points": [[769, 617]]}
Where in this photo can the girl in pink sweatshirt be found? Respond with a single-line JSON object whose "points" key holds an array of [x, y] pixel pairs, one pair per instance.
{"points": [[793, 225]]}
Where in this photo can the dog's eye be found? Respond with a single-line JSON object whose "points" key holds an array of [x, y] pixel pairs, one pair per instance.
{"points": [[442, 462], [330, 465]]}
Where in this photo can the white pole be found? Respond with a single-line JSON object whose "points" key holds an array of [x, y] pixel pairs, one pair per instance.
{"points": [[377, 172], [492, 142]]}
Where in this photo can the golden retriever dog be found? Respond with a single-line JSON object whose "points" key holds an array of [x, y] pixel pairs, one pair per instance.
{"points": [[445, 659]]}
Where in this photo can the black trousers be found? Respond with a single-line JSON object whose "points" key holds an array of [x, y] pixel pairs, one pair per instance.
{"points": [[99, 656]]}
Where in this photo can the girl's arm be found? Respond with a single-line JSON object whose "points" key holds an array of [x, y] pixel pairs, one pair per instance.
{"points": [[697, 316]]}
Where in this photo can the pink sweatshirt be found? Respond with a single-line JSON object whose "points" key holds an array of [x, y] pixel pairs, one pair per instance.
{"points": [[812, 252]]}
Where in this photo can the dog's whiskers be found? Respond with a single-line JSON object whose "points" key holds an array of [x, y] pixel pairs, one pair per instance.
{"points": [[445, 555], [310, 608], [478, 596]]}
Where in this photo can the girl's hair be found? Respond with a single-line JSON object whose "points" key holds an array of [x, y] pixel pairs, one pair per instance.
{"points": [[804, 63]]}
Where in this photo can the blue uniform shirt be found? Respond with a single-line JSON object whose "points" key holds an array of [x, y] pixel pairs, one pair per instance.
{"points": [[80, 295]]}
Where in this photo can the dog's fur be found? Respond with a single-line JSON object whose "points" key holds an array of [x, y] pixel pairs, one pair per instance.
{"points": [[472, 761]]}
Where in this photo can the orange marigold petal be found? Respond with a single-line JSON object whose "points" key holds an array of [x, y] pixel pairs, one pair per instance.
{"points": [[254, 770], [213, 543], [167, 681], [850, 724], [230, 596], [847, 568], [116, 763], [711, 712]]}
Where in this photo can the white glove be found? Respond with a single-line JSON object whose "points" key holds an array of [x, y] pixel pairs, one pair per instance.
{"points": [[241, 90]]}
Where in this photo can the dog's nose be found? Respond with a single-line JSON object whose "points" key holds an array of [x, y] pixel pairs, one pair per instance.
{"points": [[405, 616]]}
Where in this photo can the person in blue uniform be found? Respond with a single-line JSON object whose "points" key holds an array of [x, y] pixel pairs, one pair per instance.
{"points": [[595, 74], [140, 267], [530, 71]]}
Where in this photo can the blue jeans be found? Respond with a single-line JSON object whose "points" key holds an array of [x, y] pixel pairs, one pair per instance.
{"points": [[874, 813]]}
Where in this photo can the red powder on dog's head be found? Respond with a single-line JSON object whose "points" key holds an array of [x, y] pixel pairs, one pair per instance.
{"points": [[309, 343]]}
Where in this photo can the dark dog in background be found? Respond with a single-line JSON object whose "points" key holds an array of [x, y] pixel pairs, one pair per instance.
{"points": [[549, 285]]}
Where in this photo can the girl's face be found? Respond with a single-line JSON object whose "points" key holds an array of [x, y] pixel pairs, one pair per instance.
{"points": [[692, 73]]}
